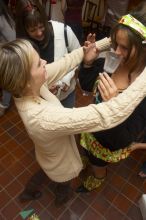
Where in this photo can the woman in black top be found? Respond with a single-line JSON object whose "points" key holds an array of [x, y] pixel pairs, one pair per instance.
{"points": [[128, 39]]}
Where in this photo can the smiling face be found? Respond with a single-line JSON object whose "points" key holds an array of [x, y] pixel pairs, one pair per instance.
{"points": [[38, 74], [36, 32]]}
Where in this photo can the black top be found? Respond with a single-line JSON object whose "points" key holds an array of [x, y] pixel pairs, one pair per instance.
{"points": [[47, 53], [127, 132]]}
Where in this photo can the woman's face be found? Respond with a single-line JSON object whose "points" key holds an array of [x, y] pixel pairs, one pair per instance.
{"points": [[36, 32], [38, 71], [122, 45]]}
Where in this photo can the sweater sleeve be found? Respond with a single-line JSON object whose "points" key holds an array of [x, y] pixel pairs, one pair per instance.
{"points": [[60, 121], [60, 68]]}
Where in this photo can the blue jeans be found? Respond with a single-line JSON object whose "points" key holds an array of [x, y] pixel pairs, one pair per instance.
{"points": [[6, 98], [69, 101]]}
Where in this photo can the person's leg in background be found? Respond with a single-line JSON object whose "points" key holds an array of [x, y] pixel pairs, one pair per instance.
{"points": [[5, 103]]}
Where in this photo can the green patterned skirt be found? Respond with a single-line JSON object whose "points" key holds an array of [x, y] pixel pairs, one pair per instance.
{"points": [[89, 142]]}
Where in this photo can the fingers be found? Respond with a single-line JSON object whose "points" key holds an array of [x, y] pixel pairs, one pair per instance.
{"points": [[102, 91], [105, 77], [91, 38], [65, 88], [107, 87], [86, 43], [89, 47]]}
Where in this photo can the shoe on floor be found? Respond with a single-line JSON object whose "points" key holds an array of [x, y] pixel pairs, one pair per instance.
{"points": [[29, 196], [91, 183]]}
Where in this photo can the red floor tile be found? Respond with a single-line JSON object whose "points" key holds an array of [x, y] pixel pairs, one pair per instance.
{"points": [[101, 205], [55, 212], [3, 151], [110, 193], [5, 179], [131, 192], [4, 138], [8, 160], [92, 214], [10, 210], [4, 198], [89, 198], [6, 125], [17, 168], [78, 207], [11, 145], [122, 203], [114, 214], [68, 215], [14, 188], [117, 182]]}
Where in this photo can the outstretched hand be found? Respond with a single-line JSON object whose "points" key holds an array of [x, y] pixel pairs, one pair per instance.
{"points": [[90, 53]]}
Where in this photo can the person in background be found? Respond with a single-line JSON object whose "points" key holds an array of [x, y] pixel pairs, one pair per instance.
{"points": [[7, 33], [49, 38], [73, 16], [114, 10], [55, 10], [12, 6], [51, 126], [129, 44]]}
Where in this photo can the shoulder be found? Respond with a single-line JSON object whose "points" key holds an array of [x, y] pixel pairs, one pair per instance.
{"points": [[57, 24]]}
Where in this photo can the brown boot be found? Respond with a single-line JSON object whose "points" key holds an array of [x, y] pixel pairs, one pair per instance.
{"points": [[31, 191], [63, 193]]}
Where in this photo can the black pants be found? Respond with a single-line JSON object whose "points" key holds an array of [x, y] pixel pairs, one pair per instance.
{"points": [[94, 160]]}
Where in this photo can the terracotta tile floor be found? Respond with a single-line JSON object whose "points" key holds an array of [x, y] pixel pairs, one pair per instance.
{"points": [[117, 199]]}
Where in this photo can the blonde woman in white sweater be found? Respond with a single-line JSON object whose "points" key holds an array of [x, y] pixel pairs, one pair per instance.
{"points": [[51, 126]]}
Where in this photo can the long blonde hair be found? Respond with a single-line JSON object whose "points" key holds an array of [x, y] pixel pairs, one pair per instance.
{"points": [[15, 65]]}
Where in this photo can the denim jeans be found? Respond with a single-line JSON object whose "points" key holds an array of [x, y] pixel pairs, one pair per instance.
{"points": [[6, 98], [69, 101]]}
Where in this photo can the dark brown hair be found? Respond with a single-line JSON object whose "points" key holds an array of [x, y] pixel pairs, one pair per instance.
{"points": [[134, 40], [30, 13]]}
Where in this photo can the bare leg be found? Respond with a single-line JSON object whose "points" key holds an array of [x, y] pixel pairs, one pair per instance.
{"points": [[136, 146], [99, 172]]}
